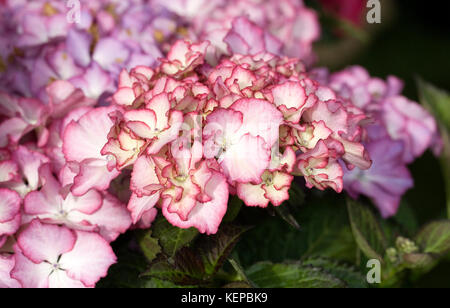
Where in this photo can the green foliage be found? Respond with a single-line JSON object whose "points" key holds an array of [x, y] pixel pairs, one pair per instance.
{"points": [[172, 238], [366, 230], [126, 273], [186, 269], [324, 232], [198, 264], [149, 245], [215, 249], [434, 238], [291, 275], [419, 256], [347, 273], [438, 102], [234, 206]]}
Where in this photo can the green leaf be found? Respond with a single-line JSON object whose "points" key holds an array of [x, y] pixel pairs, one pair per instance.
{"points": [[172, 238], [418, 260], [126, 272], [148, 244], [347, 273], [154, 283], [434, 238], [187, 269], [216, 248], [234, 207], [197, 264], [291, 275], [284, 212], [240, 271], [237, 285], [437, 102], [325, 232], [366, 230]]}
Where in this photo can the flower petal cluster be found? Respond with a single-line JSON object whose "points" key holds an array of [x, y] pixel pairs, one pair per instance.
{"points": [[194, 132], [285, 27], [398, 132], [43, 41], [114, 112], [47, 40], [54, 232]]}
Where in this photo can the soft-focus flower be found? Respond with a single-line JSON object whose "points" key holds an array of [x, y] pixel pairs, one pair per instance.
{"points": [[92, 211], [351, 10], [386, 181], [10, 216], [82, 144], [398, 131], [252, 26], [7, 263], [57, 257]]}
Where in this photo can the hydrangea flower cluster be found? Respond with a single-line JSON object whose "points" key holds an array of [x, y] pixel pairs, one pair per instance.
{"points": [[398, 132], [43, 41], [284, 27], [46, 40], [106, 121], [49, 235], [194, 133]]}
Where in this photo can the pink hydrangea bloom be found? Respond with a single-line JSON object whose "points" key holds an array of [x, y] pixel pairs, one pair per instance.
{"points": [[252, 26], [398, 131], [188, 127], [7, 263], [43, 44], [386, 181], [10, 216], [92, 211], [57, 257]]}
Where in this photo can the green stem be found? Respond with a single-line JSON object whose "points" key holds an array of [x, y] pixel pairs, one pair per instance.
{"points": [[445, 164]]}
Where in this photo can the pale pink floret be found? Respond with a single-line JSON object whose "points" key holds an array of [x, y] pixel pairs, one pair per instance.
{"points": [[207, 216], [82, 144], [6, 265], [143, 209], [48, 256], [289, 97], [337, 119], [191, 193], [126, 148], [10, 216], [8, 170], [157, 122], [93, 211], [275, 182], [320, 169], [23, 116], [28, 162], [132, 84], [184, 57], [248, 129], [247, 38], [409, 122], [386, 181], [64, 97]]}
